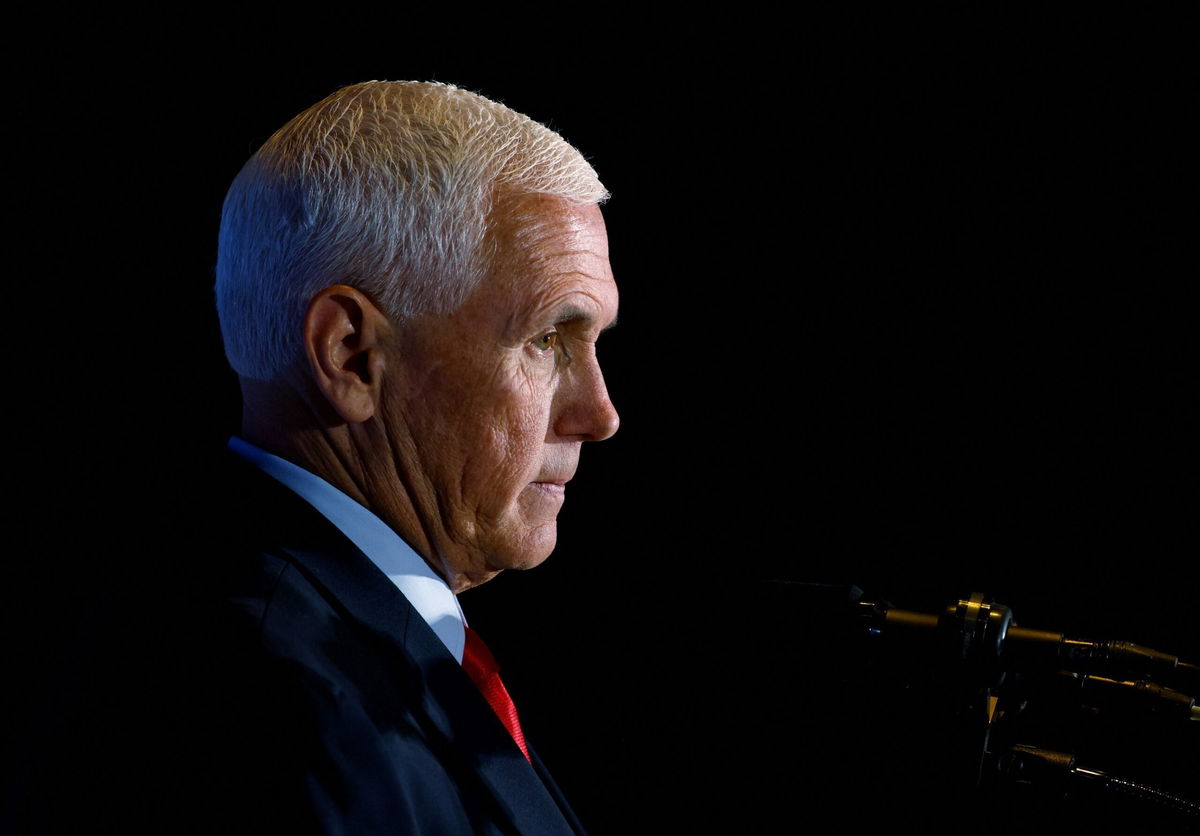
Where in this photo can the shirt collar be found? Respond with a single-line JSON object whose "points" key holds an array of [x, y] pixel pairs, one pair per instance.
{"points": [[423, 588]]}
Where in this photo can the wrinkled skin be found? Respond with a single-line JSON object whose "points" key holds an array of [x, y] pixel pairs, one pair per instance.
{"points": [[460, 431], [486, 409]]}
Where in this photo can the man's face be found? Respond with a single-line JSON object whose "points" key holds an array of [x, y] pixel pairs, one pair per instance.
{"points": [[488, 407]]}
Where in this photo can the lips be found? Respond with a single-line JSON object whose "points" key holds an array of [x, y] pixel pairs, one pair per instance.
{"points": [[552, 480], [548, 485], [552, 484], [559, 476]]}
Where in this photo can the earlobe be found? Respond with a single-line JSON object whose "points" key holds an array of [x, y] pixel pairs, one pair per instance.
{"points": [[343, 334]]}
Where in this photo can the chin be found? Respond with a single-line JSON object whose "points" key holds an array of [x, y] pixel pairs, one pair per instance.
{"points": [[533, 550]]}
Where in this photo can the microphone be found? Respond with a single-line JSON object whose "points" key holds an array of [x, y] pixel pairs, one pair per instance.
{"points": [[983, 624], [1060, 771], [977, 631], [989, 692]]}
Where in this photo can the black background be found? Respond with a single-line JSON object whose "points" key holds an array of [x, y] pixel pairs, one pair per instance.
{"points": [[902, 306]]}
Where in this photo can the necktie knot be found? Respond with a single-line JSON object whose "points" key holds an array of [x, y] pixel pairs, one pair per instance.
{"points": [[480, 665]]}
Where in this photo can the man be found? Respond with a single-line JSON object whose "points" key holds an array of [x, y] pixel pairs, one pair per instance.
{"points": [[411, 282]]}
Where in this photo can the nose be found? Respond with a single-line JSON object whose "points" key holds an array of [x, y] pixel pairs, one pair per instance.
{"points": [[585, 412]]}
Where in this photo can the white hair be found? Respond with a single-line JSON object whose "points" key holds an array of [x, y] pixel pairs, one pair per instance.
{"points": [[385, 186]]}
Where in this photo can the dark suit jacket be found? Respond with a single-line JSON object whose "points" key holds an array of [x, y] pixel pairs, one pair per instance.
{"points": [[292, 689]]}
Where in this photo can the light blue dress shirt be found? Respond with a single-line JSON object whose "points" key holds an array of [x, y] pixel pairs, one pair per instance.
{"points": [[427, 592]]}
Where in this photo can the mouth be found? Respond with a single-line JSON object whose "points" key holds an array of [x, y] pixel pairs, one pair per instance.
{"points": [[551, 487]]}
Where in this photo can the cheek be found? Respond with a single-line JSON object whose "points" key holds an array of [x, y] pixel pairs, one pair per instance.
{"points": [[508, 455]]}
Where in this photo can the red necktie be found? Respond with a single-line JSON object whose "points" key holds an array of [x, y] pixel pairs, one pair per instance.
{"points": [[480, 665]]}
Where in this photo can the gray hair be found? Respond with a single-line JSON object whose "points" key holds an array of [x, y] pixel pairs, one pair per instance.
{"points": [[385, 186]]}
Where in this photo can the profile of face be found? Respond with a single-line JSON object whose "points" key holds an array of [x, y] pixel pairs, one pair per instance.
{"points": [[488, 407]]}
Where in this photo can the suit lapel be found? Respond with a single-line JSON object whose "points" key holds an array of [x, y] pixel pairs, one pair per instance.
{"points": [[552, 788], [454, 711]]}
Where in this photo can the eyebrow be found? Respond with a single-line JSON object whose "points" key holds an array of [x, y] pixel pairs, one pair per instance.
{"points": [[575, 314]]}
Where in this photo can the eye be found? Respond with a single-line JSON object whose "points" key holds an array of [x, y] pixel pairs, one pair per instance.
{"points": [[546, 342]]}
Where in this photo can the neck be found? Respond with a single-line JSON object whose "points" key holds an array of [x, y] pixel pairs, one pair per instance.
{"points": [[360, 460]]}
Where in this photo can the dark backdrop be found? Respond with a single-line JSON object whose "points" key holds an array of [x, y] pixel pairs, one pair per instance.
{"points": [[904, 312]]}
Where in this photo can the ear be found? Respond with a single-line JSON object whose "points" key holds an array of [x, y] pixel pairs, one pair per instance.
{"points": [[344, 334]]}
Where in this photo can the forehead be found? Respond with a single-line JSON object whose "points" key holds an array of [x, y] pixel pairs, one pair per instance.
{"points": [[544, 248], [534, 228]]}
